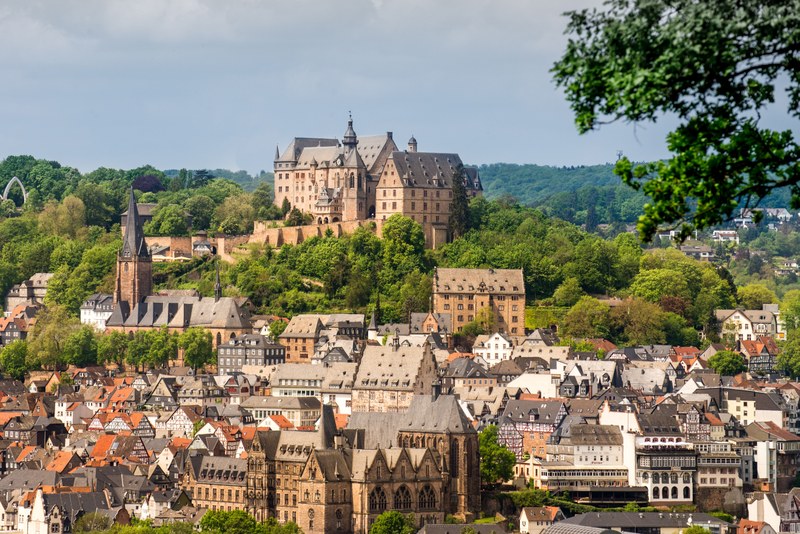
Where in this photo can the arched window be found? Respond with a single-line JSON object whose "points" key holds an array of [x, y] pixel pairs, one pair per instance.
{"points": [[377, 500], [219, 338], [427, 498], [674, 492], [686, 493], [402, 498], [655, 493], [687, 478], [664, 478], [665, 492], [673, 478], [645, 476], [339, 516], [454, 457]]}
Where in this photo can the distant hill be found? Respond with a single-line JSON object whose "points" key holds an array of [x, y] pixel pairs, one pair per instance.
{"points": [[583, 195], [243, 178]]}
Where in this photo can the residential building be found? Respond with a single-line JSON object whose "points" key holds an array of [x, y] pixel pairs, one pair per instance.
{"points": [[96, 310], [248, 349], [216, 482], [29, 292], [495, 296]]}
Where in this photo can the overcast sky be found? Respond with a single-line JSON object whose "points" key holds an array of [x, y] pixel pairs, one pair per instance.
{"points": [[220, 83]]}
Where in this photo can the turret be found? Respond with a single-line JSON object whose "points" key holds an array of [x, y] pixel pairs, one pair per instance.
{"points": [[350, 139], [412, 144]]}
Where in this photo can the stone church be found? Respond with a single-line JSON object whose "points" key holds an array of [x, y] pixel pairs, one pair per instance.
{"points": [[422, 462], [362, 178], [136, 308]]}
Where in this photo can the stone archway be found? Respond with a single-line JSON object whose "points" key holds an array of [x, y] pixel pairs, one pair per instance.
{"points": [[10, 183]]}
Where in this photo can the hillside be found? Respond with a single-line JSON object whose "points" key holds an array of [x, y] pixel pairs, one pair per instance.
{"points": [[588, 195]]}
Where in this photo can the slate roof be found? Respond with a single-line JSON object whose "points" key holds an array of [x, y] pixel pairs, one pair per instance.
{"points": [[182, 312], [432, 169], [496, 281]]}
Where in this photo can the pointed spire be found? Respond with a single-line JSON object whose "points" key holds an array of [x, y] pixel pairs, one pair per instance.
{"points": [[373, 326], [217, 286], [133, 243], [277, 153], [327, 427]]}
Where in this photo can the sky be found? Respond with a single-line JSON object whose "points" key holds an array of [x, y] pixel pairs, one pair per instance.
{"points": [[220, 83]]}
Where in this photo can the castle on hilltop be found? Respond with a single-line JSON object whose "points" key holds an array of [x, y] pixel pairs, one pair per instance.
{"points": [[370, 178]]}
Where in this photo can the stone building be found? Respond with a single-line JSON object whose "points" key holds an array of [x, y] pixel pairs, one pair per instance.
{"points": [[216, 482], [390, 376], [422, 462], [135, 308], [496, 296], [370, 178], [29, 292]]}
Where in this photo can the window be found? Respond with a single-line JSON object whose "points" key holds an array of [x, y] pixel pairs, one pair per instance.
{"points": [[402, 499], [377, 500], [427, 499]]}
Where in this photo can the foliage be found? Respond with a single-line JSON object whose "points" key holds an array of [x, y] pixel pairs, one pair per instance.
{"points": [[112, 347], [459, 211], [713, 65], [497, 462], [727, 363], [393, 522], [49, 336], [696, 529], [13, 359], [168, 220], [196, 344], [723, 515], [753, 296], [80, 347], [568, 293], [276, 328], [587, 318], [92, 521]]}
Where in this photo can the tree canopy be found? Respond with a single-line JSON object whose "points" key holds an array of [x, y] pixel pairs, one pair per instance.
{"points": [[497, 462], [714, 66]]}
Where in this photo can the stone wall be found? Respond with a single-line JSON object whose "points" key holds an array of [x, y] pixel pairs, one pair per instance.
{"points": [[294, 235]]}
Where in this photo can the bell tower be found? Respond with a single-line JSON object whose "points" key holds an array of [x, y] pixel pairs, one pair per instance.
{"points": [[134, 264]]}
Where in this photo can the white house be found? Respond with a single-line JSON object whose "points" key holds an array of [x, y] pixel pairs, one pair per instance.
{"points": [[96, 310], [494, 348]]}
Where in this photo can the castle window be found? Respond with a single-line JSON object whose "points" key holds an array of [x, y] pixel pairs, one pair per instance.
{"points": [[402, 499], [377, 500], [427, 499]]}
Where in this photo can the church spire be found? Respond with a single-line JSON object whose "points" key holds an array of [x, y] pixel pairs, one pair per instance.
{"points": [[133, 243], [350, 139], [217, 286], [277, 153]]}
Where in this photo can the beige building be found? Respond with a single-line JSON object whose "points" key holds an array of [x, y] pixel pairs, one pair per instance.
{"points": [[370, 178], [389, 376], [495, 295], [299, 338]]}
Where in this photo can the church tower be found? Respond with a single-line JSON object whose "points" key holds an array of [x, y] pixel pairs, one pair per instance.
{"points": [[134, 264]]}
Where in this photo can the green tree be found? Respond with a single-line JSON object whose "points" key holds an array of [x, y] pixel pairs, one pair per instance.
{"points": [[655, 284], [393, 522], [753, 296], [294, 218], [197, 347], [163, 347], [112, 348], [236, 215], [201, 208], [587, 318], [403, 247], [80, 347], [233, 522], [568, 293], [138, 349], [696, 529], [727, 363], [459, 208], [168, 220], [92, 522], [497, 462], [49, 336], [286, 206], [714, 66], [790, 309], [638, 322], [276, 328], [788, 358], [14, 358]]}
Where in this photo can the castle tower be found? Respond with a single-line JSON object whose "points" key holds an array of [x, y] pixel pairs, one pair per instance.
{"points": [[412, 144], [134, 264], [350, 140]]}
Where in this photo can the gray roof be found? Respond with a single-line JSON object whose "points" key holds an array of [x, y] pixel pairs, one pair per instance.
{"points": [[432, 169], [503, 281], [425, 414], [182, 312], [639, 520], [385, 367], [540, 411], [219, 470]]}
